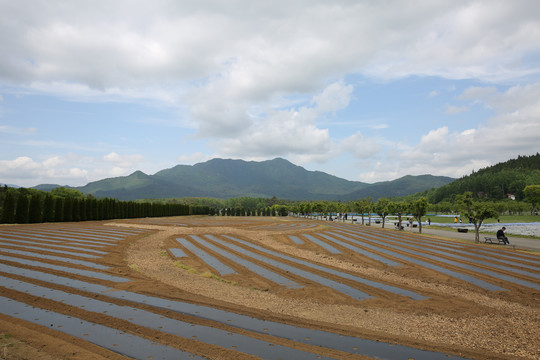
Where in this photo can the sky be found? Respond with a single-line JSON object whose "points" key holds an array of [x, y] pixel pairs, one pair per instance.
{"points": [[364, 90]]}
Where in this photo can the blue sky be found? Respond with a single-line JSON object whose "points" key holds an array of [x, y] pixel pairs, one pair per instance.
{"points": [[367, 91]]}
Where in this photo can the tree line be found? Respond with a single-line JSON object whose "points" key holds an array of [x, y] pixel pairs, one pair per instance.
{"points": [[469, 207], [63, 204], [239, 206], [496, 182], [60, 205]]}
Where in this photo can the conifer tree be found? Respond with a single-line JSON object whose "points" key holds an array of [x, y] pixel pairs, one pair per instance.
{"points": [[58, 209], [82, 209], [48, 208], [34, 210], [68, 209], [8, 210], [21, 211], [75, 210]]}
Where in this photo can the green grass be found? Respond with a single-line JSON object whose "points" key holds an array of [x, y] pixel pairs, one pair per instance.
{"points": [[502, 218], [484, 231]]}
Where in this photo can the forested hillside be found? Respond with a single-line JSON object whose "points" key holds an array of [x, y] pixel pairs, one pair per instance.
{"points": [[226, 178], [495, 182]]}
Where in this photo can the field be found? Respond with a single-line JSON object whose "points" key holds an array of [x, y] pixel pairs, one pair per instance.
{"points": [[271, 288], [502, 219]]}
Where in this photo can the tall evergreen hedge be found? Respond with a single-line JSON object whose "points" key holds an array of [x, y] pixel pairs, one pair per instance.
{"points": [[35, 209], [48, 208], [8, 210], [23, 206], [21, 211]]}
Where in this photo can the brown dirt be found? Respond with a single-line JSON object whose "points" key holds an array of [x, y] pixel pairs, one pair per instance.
{"points": [[458, 318]]}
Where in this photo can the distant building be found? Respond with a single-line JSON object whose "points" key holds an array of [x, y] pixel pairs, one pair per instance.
{"points": [[511, 196]]}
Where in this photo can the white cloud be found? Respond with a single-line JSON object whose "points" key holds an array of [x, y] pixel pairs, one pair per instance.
{"points": [[244, 74], [72, 169], [190, 159], [282, 133], [478, 93], [360, 146], [123, 161], [334, 97], [291, 132], [378, 126], [453, 110], [514, 130], [53, 162], [253, 51], [17, 130], [24, 171]]}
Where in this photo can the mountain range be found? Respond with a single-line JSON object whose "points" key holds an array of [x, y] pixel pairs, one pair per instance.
{"points": [[225, 178]]}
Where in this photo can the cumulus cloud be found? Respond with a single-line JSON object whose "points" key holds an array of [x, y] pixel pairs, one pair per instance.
{"points": [[69, 169], [291, 132], [123, 161], [334, 97], [243, 74], [360, 146], [281, 133], [25, 170], [253, 51], [514, 130]]}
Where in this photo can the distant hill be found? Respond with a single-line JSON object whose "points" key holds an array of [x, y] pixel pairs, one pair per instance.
{"points": [[494, 182], [46, 187], [225, 178], [403, 186]]}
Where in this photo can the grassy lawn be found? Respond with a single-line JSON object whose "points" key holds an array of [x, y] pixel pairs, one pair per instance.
{"points": [[503, 219]]}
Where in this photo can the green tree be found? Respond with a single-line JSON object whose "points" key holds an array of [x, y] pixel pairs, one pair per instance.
{"points": [[532, 194], [21, 211], [398, 208], [382, 207], [68, 209], [365, 206], [76, 210], [34, 211], [317, 208], [476, 212], [418, 208], [281, 210], [82, 209], [58, 209], [360, 208], [48, 208], [66, 192], [8, 209]]}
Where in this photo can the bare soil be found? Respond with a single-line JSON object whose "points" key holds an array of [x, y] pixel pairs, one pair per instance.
{"points": [[457, 318]]}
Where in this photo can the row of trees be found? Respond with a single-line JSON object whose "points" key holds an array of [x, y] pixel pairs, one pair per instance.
{"points": [[22, 206], [365, 208], [276, 210], [465, 204], [61, 204]]}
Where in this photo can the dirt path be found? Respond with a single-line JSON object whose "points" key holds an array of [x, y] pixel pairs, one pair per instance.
{"points": [[456, 317]]}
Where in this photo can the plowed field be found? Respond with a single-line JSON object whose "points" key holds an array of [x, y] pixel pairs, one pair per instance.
{"points": [[271, 288]]}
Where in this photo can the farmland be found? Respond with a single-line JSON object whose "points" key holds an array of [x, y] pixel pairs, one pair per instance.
{"points": [[248, 287]]}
